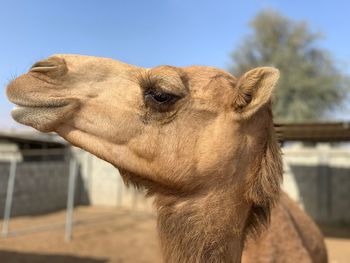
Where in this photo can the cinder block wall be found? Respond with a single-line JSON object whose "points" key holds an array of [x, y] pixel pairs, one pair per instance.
{"points": [[319, 180], [40, 187]]}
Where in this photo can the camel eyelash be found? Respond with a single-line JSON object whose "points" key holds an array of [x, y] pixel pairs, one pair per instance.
{"points": [[145, 80], [152, 84], [149, 81]]}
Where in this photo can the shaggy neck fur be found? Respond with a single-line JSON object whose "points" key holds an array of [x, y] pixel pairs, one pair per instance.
{"points": [[204, 228], [212, 226]]}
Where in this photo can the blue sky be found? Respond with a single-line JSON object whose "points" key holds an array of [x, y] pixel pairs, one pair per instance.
{"points": [[150, 33]]}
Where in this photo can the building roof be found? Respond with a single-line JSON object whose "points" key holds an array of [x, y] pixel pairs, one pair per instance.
{"points": [[32, 137], [314, 132]]}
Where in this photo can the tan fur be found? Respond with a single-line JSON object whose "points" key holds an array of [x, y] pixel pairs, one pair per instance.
{"points": [[208, 154], [291, 237]]}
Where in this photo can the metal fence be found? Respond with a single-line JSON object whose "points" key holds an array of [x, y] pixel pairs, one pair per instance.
{"points": [[24, 170], [40, 181]]}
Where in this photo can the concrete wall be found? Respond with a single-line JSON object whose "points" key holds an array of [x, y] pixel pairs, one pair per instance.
{"points": [[104, 186], [318, 178], [40, 187]]}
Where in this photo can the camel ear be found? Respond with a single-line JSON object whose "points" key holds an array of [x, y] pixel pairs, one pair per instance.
{"points": [[254, 89]]}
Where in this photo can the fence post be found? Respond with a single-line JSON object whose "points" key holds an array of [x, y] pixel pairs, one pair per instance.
{"points": [[70, 198], [9, 196]]}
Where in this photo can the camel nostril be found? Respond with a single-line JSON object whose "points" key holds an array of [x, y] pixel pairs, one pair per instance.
{"points": [[43, 66], [42, 69], [51, 65]]}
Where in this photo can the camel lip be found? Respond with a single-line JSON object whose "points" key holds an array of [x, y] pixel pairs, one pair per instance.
{"points": [[19, 111], [41, 117], [46, 104]]}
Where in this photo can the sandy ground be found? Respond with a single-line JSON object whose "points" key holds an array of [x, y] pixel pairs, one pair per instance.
{"points": [[105, 235]]}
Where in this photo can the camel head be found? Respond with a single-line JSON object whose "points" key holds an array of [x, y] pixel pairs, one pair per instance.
{"points": [[170, 129], [197, 137]]}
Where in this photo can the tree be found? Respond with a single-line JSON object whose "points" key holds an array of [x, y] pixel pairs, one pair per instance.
{"points": [[310, 85]]}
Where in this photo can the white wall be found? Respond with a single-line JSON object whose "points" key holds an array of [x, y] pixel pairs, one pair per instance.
{"points": [[104, 185]]}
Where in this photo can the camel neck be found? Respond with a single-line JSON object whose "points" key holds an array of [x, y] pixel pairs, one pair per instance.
{"points": [[204, 228]]}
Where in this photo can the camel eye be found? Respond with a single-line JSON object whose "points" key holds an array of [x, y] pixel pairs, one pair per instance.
{"points": [[159, 97]]}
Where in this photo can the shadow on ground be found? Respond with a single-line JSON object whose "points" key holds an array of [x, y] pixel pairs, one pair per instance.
{"points": [[20, 257]]}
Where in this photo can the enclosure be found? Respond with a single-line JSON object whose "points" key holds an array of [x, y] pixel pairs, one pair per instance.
{"points": [[61, 204]]}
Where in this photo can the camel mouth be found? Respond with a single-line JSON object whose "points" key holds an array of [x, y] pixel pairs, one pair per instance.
{"points": [[24, 110], [42, 116]]}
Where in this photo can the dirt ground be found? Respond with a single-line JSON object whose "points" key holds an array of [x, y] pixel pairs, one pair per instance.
{"points": [[106, 235]]}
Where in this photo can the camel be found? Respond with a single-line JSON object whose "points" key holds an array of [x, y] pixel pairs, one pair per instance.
{"points": [[198, 139]]}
